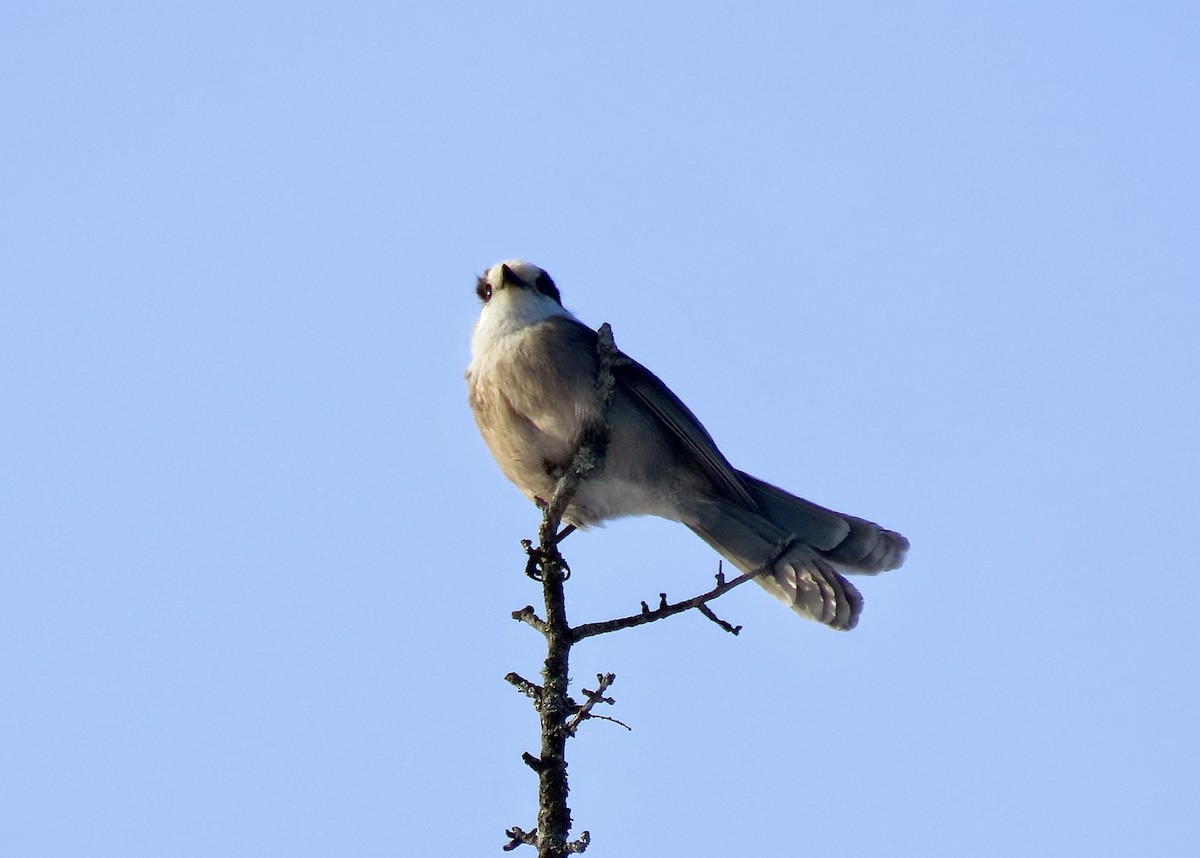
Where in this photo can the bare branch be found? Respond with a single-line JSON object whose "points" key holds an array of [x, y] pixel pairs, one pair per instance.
{"points": [[532, 761], [584, 712], [665, 609], [560, 715], [523, 685], [520, 837], [528, 615], [576, 847], [564, 533], [610, 719], [708, 612]]}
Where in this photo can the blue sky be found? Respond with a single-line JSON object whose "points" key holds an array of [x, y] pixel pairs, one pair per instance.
{"points": [[934, 264]]}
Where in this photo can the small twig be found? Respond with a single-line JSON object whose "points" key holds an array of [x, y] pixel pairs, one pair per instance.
{"points": [[564, 533], [523, 685], [528, 615], [533, 762], [584, 712], [665, 609], [617, 721], [576, 847], [708, 612], [520, 837]]}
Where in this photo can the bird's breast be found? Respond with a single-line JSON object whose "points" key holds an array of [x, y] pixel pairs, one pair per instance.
{"points": [[527, 415]]}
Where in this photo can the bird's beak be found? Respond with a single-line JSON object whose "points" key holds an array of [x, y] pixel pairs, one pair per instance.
{"points": [[507, 277]]}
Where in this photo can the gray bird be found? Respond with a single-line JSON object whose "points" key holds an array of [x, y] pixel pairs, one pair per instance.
{"points": [[532, 388]]}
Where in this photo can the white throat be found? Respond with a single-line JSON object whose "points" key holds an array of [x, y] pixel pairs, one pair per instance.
{"points": [[511, 311]]}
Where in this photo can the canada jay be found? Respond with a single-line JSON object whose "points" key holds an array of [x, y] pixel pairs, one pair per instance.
{"points": [[532, 387]]}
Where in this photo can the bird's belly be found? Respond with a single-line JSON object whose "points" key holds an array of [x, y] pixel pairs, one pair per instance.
{"points": [[603, 498]]}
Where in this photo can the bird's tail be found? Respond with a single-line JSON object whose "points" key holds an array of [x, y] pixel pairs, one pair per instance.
{"points": [[850, 544], [799, 548]]}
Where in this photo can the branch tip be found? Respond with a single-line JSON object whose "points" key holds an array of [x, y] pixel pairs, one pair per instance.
{"points": [[519, 837], [528, 615], [576, 847], [708, 612], [559, 714], [529, 689], [564, 533], [666, 609], [533, 762], [604, 682]]}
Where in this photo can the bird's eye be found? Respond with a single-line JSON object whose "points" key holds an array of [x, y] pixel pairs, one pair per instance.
{"points": [[483, 289]]}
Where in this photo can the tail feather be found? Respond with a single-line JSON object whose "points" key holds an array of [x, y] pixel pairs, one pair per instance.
{"points": [[851, 544], [797, 576], [814, 590], [799, 548]]}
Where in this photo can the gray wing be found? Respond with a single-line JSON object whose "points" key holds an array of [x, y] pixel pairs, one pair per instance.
{"points": [[691, 438], [684, 427]]}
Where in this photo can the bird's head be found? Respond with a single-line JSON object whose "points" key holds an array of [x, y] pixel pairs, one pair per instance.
{"points": [[516, 276]]}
